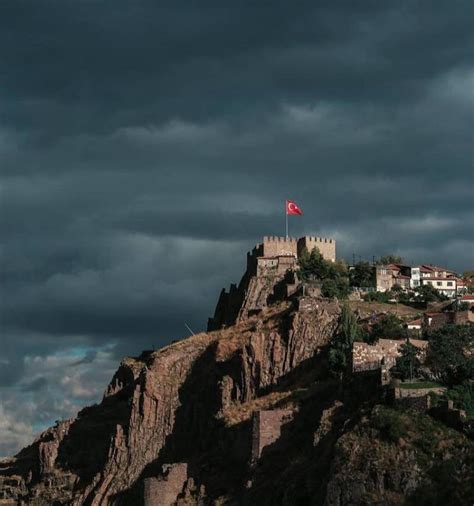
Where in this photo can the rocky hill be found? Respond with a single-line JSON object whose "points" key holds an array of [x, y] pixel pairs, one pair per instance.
{"points": [[246, 414]]}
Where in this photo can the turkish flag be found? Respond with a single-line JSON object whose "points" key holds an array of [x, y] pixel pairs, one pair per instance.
{"points": [[292, 208]]}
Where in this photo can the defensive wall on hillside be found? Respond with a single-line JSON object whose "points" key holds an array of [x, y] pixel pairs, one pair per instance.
{"points": [[327, 247], [280, 246], [266, 429], [164, 490], [269, 260], [367, 357]]}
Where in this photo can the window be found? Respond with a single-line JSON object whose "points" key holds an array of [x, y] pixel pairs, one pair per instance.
{"points": [[450, 283], [438, 283]]}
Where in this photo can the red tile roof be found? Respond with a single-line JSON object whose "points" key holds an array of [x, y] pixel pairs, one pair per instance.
{"points": [[432, 268]]}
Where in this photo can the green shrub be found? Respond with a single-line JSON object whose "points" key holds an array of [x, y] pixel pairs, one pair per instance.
{"points": [[408, 363], [390, 423], [333, 275], [450, 354], [340, 347], [388, 327], [383, 297], [463, 397]]}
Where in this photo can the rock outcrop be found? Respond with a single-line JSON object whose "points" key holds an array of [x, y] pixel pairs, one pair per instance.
{"points": [[244, 414], [164, 407]]}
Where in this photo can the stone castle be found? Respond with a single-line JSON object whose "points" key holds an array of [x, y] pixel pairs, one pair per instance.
{"points": [[271, 274], [274, 247]]}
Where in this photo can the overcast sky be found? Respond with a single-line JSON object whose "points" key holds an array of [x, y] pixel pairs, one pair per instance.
{"points": [[146, 146]]}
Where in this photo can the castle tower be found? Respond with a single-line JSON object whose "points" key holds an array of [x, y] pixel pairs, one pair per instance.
{"points": [[327, 247], [274, 246]]}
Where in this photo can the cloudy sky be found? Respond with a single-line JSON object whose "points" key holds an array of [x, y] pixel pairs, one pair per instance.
{"points": [[146, 146]]}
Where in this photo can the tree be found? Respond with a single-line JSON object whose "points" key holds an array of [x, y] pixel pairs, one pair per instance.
{"points": [[468, 277], [450, 353], [338, 288], [348, 331], [463, 396], [377, 297], [405, 297], [461, 306], [362, 275], [312, 266], [388, 327], [428, 293], [408, 363], [329, 288], [389, 259], [340, 269]]}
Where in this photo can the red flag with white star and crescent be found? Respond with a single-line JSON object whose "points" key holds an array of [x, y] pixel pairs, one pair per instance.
{"points": [[292, 208]]}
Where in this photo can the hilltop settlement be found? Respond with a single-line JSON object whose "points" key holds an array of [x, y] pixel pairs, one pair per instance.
{"points": [[317, 383]]}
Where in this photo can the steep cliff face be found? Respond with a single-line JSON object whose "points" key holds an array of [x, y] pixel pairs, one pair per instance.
{"points": [[168, 406], [260, 286], [393, 457], [179, 426]]}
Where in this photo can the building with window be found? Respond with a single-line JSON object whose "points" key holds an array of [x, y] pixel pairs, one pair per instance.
{"points": [[390, 275], [444, 280]]}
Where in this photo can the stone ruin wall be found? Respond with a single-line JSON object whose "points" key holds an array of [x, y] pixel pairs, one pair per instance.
{"points": [[266, 429], [370, 356], [279, 265], [366, 357], [173, 481], [164, 490]]}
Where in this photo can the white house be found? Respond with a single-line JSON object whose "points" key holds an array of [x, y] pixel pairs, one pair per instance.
{"points": [[444, 280]]}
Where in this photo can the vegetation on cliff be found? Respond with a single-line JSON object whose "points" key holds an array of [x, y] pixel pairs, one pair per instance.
{"points": [[333, 276], [193, 402], [402, 457]]}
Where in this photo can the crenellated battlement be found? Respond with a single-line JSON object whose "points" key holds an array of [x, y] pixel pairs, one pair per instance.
{"points": [[272, 259], [326, 246], [280, 246], [275, 238], [291, 246], [314, 239]]}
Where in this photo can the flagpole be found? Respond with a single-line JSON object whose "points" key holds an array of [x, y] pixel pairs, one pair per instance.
{"points": [[286, 215]]}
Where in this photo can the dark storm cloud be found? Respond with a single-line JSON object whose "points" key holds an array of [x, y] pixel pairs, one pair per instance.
{"points": [[146, 146], [35, 385], [132, 64]]}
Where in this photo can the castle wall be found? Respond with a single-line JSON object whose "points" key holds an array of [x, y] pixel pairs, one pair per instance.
{"points": [[279, 246], [266, 429], [270, 261], [252, 257], [371, 356], [278, 265], [327, 247], [164, 490]]}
